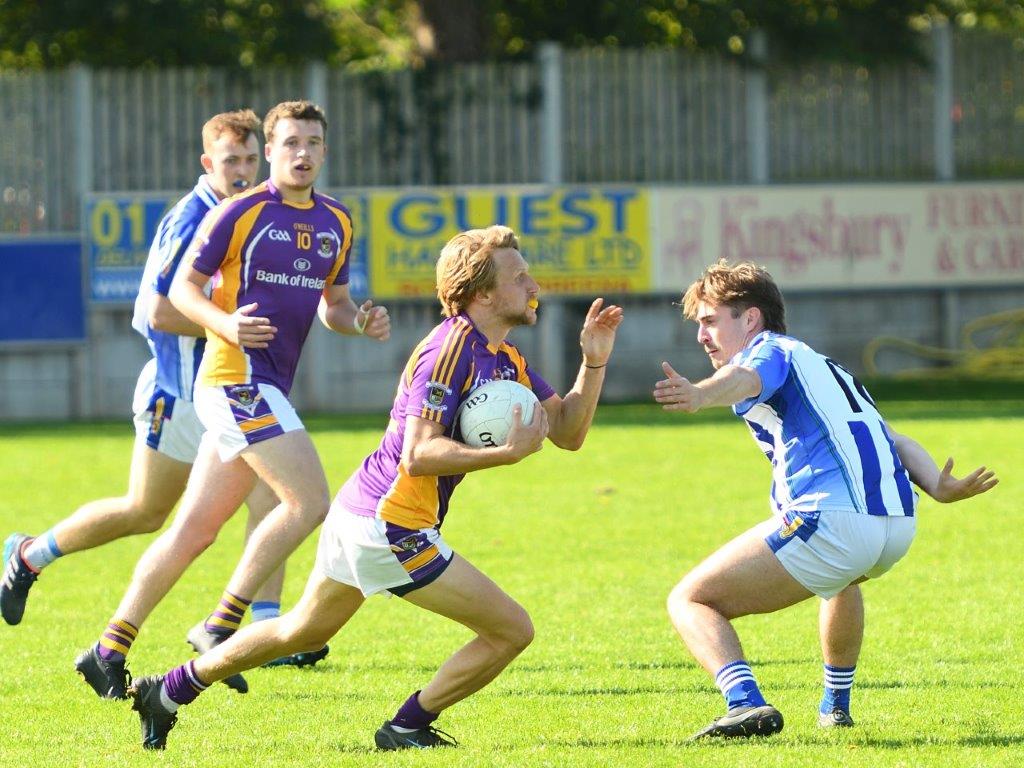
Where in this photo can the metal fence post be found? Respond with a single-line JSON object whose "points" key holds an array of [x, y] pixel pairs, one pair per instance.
{"points": [[84, 380], [757, 109], [316, 87], [945, 152], [552, 316], [550, 58], [81, 100], [316, 379]]}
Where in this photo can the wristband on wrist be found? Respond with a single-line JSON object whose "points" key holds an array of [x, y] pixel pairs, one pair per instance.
{"points": [[594, 366]]}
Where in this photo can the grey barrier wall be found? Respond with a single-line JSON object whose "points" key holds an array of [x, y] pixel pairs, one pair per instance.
{"points": [[346, 374], [569, 117]]}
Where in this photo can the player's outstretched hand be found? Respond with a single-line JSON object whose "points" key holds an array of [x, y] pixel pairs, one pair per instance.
{"points": [[246, 330], [677, 393], [948, 489], [524, 439], [598, 335], [375, 321]]}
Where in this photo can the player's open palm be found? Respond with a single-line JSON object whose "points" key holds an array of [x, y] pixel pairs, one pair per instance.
{"points": [[949, 489], [524, 439], [245, 329], [598, 335]]}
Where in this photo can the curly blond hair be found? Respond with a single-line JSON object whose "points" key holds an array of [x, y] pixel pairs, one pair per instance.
{"points": [[465, 266], [738, 287]]}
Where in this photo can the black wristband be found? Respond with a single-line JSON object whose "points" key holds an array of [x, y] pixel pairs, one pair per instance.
{"points": [[595, 366]]}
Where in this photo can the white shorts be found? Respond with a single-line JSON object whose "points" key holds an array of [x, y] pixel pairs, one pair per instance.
{"points": [[373, 555], [167, 424], [828, 551], [239, 415]]}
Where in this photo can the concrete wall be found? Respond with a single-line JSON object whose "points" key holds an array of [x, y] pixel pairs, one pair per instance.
{"points": [[346, 374]]}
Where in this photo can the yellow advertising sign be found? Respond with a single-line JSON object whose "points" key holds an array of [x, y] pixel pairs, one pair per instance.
{"points": [[577, 240]]}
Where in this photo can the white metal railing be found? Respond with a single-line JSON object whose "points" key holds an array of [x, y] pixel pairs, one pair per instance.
{"points": [[583, 116]]}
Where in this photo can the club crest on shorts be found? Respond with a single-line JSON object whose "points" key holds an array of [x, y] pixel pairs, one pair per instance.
{"points": [[789, 526], [245, 398], [408, 544]]}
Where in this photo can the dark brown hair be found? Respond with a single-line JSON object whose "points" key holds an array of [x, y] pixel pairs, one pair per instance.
{"points": [[738, 287], [296, 110]]}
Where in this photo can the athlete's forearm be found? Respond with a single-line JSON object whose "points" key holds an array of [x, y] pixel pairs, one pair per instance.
{"points": [[729, 385], [569, 426], [189, 299], [440, 456], [164, 317], [340, 317], [921, 467]]}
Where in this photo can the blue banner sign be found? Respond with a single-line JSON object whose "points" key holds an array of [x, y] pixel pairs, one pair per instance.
{"points": [[41, 289], [118, 229], [116, 232]]}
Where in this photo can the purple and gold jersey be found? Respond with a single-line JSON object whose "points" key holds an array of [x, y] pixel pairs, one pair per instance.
{"points": [[280, 255], [452, 361]]}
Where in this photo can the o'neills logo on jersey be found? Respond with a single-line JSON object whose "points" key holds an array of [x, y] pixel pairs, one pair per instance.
{"points": [[296, 281]]}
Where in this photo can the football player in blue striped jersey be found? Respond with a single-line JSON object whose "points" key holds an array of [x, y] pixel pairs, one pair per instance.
{"points": [[841, 497]]}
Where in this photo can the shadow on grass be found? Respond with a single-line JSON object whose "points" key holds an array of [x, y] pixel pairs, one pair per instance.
{"points": [[979, 740], [353, 749], [603, 690], [966, 742], [690, 665]]}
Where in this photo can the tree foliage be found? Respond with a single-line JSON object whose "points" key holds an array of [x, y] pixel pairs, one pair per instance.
{"points": [[135, 33], [866, 31], [376, 33]]}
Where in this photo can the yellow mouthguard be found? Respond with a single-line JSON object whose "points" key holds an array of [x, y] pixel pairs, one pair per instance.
{"points": [[533, 303]]}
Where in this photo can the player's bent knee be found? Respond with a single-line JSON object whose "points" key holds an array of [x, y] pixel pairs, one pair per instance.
{"points": [[514, 637], [148, 519], [303, 637], [680, 597], [194, 541], [522, 636]]}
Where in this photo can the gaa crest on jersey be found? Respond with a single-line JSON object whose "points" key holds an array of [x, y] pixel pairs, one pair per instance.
{"points": [[326, 244], [436, 392]]}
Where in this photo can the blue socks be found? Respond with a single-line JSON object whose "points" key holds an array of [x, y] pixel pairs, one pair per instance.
{"points": [[265, 609], [737, 684], [838, 682]]}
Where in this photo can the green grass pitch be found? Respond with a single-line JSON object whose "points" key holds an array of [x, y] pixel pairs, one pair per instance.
{"points": [[590, 543]]}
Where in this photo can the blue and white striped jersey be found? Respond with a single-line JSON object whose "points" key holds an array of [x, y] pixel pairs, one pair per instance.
{"points": [[820, 429], [177, 357]]}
